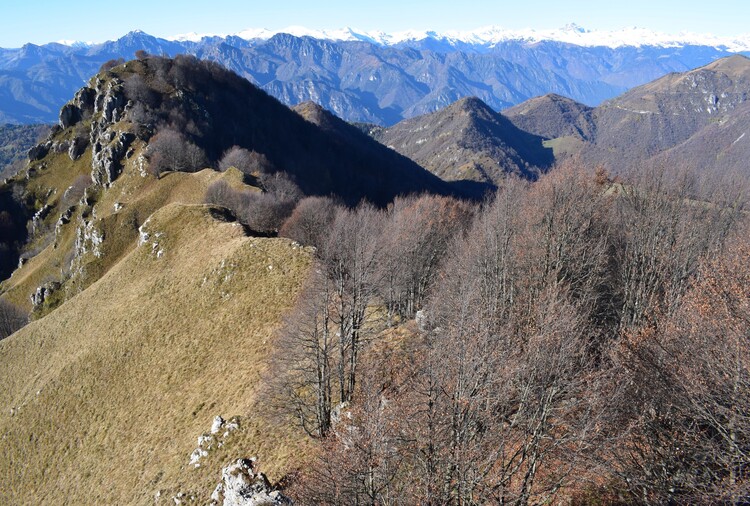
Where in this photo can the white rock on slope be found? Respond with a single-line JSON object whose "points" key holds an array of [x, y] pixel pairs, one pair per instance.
{"points": [[241, 485]]}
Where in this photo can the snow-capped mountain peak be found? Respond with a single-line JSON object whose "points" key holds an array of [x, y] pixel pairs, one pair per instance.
{"points": [[491, 35]]}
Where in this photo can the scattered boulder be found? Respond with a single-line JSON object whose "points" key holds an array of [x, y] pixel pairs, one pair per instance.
{"points": [[43, 293], [39, 151], [77, 147], [70, 114], [39, 217], [63, 220], [242, 485], [212, 440]]}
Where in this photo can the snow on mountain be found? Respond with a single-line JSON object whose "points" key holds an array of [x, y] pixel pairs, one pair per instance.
{"points": [[74, 43], [492, 35], [489, 36]]}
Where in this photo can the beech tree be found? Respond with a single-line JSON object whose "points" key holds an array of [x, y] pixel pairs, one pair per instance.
{"points": [[310, 221], [302, 376], [415, 239], [11, 318], [362, 460], [666, 221], [169, 150], [246, 161], [350, 257], [683, 394], [581, 330]]}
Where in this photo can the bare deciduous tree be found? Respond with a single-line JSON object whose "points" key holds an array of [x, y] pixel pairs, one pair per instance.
{"points": [[683, 394], [415, 240], [302, 373], [11, 318], [246, 161], [350, 257], [169, 150]]}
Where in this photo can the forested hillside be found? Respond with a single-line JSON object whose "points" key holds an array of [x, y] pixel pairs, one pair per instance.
{"points": [[577, 339]]}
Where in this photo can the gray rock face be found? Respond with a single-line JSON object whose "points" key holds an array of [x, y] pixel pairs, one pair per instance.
{"points": [[107, 155], [110, 99], [77, 147], [242, 485], [84, 99], [108, 146], [39, 151], [70, 114]]}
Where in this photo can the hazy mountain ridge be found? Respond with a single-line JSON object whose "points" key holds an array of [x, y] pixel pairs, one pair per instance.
{"points": [[360, 80], [689, 118]]}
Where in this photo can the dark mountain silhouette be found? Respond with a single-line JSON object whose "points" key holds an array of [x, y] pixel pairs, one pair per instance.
{"points": [[220, 109]]}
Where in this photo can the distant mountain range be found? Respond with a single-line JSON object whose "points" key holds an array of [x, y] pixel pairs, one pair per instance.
{"points": [[376, 77], [487, 37], [698, 119]]}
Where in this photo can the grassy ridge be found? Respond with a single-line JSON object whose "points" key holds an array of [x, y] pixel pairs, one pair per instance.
{"points": [[110, 391]]}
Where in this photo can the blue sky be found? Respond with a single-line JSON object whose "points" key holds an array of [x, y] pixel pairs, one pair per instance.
{"points": [[41, 21]]}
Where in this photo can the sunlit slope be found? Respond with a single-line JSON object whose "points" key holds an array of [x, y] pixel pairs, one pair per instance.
{"points": [[102, 400]]}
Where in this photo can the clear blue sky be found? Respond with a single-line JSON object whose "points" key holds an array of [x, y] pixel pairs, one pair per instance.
{"points": [[41, 21]]}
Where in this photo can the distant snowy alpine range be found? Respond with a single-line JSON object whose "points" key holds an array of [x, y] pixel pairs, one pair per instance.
{"points": [[379, 77]]}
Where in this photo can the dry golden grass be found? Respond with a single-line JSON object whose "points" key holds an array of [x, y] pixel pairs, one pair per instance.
{"points": [[110, 391], [137, 196]]}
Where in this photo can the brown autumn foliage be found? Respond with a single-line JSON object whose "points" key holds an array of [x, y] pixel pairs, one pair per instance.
{"points": [[683, 393], [579, 338]]}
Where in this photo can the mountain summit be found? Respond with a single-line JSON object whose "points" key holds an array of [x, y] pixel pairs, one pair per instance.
{"points": [[468, 141]]}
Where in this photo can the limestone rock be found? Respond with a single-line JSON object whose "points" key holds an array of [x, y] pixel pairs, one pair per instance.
{"points": [[39, 151], [84, 99], [242, 485], [106, 163], [77, 147], [70, 114], [42, 293], [108, 146]]}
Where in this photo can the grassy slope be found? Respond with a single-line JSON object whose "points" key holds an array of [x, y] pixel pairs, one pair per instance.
{"points": [[138, 196], [111, 390]]}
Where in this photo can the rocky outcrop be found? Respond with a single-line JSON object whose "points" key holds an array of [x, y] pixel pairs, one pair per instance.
{"points": [[75, 110], [108, 151], [77, 147], [242, 485], [110, 100], [70, 114], [39, 217], [109, 147], [39, 151], [84, 99], [220, 430], [43, 293]]}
